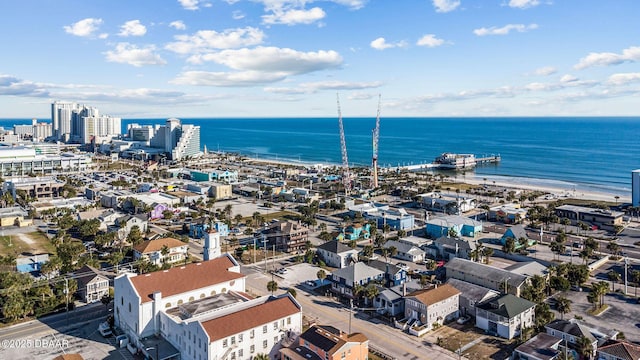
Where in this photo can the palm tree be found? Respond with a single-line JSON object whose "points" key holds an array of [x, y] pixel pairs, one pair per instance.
{"points": [[292, 291], [614, 277], [371, 291], [164, 251], [509, 245], [613, 247], [261, 357], [564, 306], [635, 277], [357, 291], [584, 347], [321, 274], [486, 253], [272, 286]]}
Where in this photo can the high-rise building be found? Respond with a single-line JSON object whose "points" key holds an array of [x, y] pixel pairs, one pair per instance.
{"points": [[188, 144], [635, 188], [171, 134], [61, 115]]}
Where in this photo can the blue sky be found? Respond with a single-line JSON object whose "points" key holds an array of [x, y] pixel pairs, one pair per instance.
{"points": [[289, 58]]}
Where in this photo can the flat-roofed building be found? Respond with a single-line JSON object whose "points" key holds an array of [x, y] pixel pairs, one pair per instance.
{"points": [[485, 275], [603, 219], [327, 343]]}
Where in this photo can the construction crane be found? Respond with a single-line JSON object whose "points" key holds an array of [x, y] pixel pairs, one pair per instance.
{"points": [[376, 137], [346, 175]]}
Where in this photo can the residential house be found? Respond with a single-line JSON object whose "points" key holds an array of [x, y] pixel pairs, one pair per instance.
{"points": [[152, 250], [358, 231], [447, 203], [344, 280], [571, 331], [505, 316], [446, 247], [157, 211], [92, 284], [93, 214], [462, 226], [200, 311], [539, 347], [198, 229], [406, 251], [485, 275], [390, 302], [516, 232], [327, 343], [396, 219], [618, 350], [603, 219], [507, 213], [425, 308], [127, 222], [393, 274], [471, 295], [336, 254], [286, 236]]}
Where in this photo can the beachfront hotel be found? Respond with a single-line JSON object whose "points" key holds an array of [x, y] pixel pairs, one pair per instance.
{"points": [[178, 140], [20, 160]]}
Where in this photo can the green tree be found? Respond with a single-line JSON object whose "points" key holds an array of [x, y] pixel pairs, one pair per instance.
{"points": [[635, 277], [321, 274], [486, 254], [584, 347], [614, 277], [509, 246], [272, 286], [164, 251], [88, 228], [292, 291], [564, 306], [543, 316], [261, 357], [115, 258], [135, 235], [613, 248], [370, 292]]}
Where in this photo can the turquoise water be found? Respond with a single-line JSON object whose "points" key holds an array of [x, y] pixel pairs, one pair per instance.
{"points": [[595, 153]]}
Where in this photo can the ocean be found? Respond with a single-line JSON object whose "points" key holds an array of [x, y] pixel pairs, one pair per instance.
{"points": [[582, 153]]}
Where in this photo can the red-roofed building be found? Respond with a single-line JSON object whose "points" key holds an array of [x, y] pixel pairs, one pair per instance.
{"points": [[200, 311]]}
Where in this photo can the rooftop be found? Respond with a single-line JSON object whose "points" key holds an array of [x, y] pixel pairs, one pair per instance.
{"points": [[435, 295], [542, 346], [207, 305], [156, 245], [507, 306], [270, 310], [185, 278], [485, 271]]}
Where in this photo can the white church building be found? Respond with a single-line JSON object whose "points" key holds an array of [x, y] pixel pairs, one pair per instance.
{"points": [[201, 311]]}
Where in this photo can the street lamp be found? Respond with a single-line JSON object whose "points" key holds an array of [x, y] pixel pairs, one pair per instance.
{"points": [[156, 349]]}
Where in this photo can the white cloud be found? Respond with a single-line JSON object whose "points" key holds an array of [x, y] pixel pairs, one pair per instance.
{"points": [[137, 56], [189, 4], [178, 25], [546, 70], [292, 17], [354, 4], [237, 15], [84, 28], [443, 6], [429, 40], [313, 87], [12, 86], [227, 79], [568, 79], [523, 4], [132, 28], [623, 79], [381, 44], [631, 54], [273, 59], [505, 29], [208, 40]]}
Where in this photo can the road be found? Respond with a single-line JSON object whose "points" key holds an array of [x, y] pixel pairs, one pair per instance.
{"points": [[326, 310]]}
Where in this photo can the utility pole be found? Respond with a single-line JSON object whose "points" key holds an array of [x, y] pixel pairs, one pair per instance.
{"points": [[254, 249], [66, 297], [350, 312], [626, 271]]}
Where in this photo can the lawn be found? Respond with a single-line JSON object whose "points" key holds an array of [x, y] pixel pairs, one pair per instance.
{"points": [[33, 242]]}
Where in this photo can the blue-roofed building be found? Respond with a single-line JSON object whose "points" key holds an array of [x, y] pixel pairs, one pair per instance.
{"points": [[198, 230], [463, 226], [516, 232], [397, 220]]}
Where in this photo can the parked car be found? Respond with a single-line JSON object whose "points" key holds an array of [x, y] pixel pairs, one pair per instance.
{"points": [[463, 319], [403, 266], [576, 288], [104, 329]]}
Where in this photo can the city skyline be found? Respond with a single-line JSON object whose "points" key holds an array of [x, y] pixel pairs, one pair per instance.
{"points": [[289, 58]]}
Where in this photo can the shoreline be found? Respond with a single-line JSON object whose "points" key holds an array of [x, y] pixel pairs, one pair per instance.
{"points": [[559, 188]]}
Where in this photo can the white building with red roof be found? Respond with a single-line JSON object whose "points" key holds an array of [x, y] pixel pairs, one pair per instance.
{"points": [[200, 311]]}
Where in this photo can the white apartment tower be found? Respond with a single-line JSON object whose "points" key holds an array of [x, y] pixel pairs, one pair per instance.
{"points": [[61, 115]]}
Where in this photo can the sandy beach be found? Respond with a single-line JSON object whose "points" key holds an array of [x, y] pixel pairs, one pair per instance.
{"points": [[557, 188]]}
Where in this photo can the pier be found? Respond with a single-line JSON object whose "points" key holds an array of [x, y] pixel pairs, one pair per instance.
{"points": [[492, 159]]}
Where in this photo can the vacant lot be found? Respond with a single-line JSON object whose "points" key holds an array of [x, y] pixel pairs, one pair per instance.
{"points": [[475, 343], [33, 242]]}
